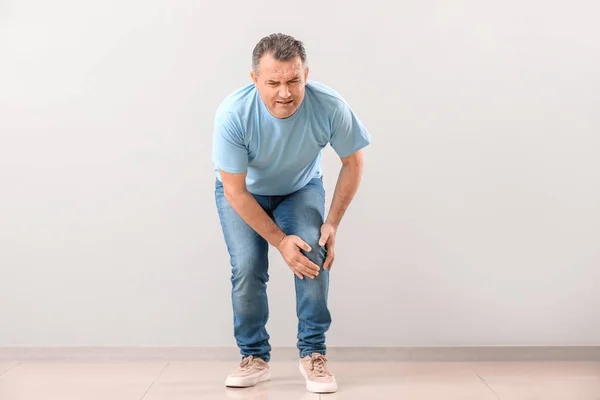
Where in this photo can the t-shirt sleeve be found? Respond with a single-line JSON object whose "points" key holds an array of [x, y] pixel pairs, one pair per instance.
{"points": [[230, 153], [348, 134]]}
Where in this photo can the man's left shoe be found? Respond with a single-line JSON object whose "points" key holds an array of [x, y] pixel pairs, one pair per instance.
{"points": [[316, 372]]}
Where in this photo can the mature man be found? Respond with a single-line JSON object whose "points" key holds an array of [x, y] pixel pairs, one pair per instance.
{"points": [[267, 147]]}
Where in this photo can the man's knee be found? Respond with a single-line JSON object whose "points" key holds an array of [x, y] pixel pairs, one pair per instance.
{"points": [[317, 253], [249, 270], [249, 284]]}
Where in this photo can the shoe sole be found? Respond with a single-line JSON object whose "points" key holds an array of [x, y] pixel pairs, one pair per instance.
{"points": [[317, 387], [248, 382]]}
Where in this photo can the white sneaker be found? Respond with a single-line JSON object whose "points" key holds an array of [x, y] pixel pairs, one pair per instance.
{"points": [[252, 370], [316, 372]]}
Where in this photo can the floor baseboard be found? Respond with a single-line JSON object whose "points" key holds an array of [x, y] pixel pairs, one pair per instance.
{"points": [[339, 354]]}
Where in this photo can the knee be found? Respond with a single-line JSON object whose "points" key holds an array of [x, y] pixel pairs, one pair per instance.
{"points": [[249, 271], [317, 253]]}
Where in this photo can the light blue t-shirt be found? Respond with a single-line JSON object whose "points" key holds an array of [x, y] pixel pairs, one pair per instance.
{"points": [[283, 155]]}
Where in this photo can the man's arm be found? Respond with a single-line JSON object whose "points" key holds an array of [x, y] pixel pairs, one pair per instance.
{"points": [[348, 137], [242, 201], [346, 187]]}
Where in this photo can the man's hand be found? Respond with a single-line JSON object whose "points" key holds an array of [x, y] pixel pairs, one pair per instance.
{"points": [[328, 240], [301, 266]]}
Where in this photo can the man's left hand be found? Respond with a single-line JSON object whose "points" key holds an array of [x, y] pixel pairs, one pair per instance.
{"points": [[328, 240]]}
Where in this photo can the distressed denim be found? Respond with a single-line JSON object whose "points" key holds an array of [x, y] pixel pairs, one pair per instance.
{"points": [[300, 213]]}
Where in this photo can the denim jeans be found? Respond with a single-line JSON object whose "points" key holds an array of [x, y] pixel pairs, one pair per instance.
{"points": [[300, 213]]}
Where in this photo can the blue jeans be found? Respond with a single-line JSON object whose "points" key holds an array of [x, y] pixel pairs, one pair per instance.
{"points": [[300, 213]]}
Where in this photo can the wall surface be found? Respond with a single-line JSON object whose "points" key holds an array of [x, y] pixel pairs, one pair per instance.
{"points": [[477, 223]]}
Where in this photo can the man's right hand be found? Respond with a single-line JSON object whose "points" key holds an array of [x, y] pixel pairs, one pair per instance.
{"points": [[301, 266]]}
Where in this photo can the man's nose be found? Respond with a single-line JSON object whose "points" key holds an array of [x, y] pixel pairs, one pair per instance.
{"points": [[284, 92]]}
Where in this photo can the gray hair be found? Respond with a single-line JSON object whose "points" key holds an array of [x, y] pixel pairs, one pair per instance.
{"points": [[281, 47]]}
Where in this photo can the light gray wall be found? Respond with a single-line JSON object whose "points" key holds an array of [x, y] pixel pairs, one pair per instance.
{"points": [[477, 222]]}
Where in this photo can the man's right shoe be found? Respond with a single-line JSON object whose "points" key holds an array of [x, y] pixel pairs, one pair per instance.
{"points": [[252, 370]]}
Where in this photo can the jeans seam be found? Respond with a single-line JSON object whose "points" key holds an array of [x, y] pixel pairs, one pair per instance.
{"points": [[295, 282], [295, 285], [297, 297]]}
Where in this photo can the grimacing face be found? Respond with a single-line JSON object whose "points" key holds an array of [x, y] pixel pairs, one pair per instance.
{"points": [[281, 84]]}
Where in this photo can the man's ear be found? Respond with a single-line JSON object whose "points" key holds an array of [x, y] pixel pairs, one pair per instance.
{"points": [[254, 77], [306, 74]]}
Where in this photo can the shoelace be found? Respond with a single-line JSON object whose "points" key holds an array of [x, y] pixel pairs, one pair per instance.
{"points": [[247, 362], [318, 366]]}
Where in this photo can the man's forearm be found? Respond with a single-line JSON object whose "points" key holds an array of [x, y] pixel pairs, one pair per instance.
{"points": [[345, 189], [252, 213]]}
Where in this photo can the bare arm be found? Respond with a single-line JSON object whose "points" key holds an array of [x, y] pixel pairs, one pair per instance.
{"points": [[346, 187], [242, 201]]}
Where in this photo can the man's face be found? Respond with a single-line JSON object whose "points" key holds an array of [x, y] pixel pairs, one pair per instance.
{"points": [[281, 84]]}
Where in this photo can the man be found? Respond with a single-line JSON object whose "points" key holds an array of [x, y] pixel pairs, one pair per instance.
{"points": [[267, 147]]}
